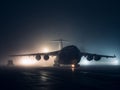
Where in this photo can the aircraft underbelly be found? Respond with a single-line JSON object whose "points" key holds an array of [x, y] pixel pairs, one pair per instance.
{"points": [[68, 61]]}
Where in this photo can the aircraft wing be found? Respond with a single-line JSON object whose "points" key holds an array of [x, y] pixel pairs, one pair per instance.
{"points": [[91, 54], [54, 53]]}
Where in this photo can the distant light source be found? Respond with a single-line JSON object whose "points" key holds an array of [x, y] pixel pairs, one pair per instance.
{"points": [[115, 62], [84, 61], [45, 50], [25, 61]]}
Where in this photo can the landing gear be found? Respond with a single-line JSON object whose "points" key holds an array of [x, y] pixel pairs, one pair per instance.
{"points": [[56, 64]]}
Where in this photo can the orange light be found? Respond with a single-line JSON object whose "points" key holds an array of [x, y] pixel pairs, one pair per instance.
{"points": [[73, 65]]}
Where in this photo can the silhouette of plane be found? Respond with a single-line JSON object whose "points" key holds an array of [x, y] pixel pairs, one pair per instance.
{"points": [[69, 55]]}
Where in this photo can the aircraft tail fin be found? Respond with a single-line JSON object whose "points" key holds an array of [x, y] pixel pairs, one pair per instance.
{"points": [[60, 42]]}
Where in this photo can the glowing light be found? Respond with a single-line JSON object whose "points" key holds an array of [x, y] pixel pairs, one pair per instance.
{"points": [[84, 61], [73, 69], [25, 61], [115, 62], [73, 65], [45, 50]]}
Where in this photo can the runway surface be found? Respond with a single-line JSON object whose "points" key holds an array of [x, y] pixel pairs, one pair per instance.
{"points": [[48, 78]]}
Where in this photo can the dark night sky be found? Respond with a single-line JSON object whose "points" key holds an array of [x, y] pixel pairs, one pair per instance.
{"points": [[93, 25]]}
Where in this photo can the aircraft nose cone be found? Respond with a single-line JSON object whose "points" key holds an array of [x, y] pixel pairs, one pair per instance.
{"points": [[69, 55]]}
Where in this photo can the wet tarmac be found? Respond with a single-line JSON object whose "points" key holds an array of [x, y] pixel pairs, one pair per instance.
{"points": [[49, 78]]}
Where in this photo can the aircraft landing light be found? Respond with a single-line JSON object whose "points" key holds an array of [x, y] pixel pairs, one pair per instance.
{"points": [[72, 65]]}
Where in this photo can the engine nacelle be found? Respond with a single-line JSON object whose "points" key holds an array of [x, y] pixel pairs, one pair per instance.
{"points": [[46, 57], [97, 58], [38, 57], [89, 57]]}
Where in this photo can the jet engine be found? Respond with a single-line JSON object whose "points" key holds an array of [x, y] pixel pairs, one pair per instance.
{"points": [[89, 57], [97, 58], [38, 57], [46, 57]]}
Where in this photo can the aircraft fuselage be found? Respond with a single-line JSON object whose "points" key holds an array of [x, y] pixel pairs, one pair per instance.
{"points": [[69, 55]]}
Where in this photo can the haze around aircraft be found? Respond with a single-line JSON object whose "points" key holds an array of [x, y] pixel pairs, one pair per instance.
{"points": [[69, 55]]}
